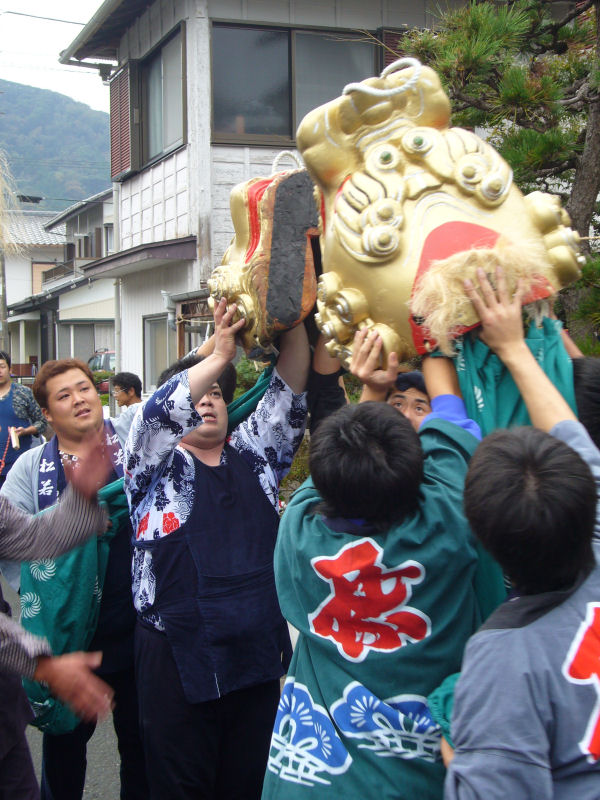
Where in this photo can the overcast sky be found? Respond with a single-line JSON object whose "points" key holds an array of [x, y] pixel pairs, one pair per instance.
{"points": [[29, 48]]}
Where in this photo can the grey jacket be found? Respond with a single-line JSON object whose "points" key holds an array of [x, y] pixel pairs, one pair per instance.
{"points": [[526, 721]]}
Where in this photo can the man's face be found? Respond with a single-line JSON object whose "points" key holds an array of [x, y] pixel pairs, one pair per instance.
{"points": [[124, 397], [4, 372], [213, 410], [412, 403], [74, 406]]}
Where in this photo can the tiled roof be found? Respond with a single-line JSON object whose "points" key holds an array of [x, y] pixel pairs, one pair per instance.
{"points": [[27, 228]]}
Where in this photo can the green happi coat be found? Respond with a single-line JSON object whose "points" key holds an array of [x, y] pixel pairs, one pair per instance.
{"points": [[382, 620]]}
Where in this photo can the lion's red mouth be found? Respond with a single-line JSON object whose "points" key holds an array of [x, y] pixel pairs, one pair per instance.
{"points": [[445, 241]]}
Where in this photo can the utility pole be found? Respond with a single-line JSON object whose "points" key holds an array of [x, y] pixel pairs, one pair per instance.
{"points": [[4, 340]]}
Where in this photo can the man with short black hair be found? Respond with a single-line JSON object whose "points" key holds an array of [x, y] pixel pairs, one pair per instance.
{"points": [[127, 389], [526, 719]]}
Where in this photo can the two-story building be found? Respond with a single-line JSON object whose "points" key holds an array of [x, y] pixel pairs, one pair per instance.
{"points": [[54, 309], [37, 252], [204, 94], [85, 307]]}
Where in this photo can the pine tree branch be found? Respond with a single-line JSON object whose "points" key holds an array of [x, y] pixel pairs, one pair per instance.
{"points": [[577, 10], [580, 95]]}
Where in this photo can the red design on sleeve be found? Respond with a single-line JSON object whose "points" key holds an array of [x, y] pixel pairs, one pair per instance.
{"points": [[170, 522], [366, 609], [143, 526], [582, 665]]}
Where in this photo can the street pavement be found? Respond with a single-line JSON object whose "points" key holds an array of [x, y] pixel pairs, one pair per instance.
{"points": [[102, 777]]}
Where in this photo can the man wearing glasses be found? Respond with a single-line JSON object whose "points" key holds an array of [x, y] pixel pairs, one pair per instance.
{"points": [[127, 389]]}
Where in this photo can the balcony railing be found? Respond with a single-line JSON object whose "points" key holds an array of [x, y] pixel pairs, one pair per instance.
{"points": [[64, 270]]}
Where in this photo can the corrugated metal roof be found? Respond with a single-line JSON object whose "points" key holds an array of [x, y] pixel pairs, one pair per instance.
{"points": [[27, 228]]}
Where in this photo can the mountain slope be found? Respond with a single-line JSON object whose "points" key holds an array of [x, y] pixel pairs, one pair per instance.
{"points": [[56, 147]]}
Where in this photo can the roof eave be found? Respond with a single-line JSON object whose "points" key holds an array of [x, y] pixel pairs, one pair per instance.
{"points": [[69, 55]]}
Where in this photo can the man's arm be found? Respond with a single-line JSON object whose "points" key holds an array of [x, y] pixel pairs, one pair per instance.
{"points": [[325, 388], [440, 377], [203, 375], [70, 523], [294, 358], [502, 331], [75, 519], [33, 414], [21, 481]]}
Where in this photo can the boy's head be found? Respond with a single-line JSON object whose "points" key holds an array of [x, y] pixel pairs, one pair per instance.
{"points": [[531, 500], [366, 462], [586, 382], [409, 397]]}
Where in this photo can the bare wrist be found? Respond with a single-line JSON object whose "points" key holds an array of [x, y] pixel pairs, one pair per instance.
{"points": [[42, 669], [512, 353]]}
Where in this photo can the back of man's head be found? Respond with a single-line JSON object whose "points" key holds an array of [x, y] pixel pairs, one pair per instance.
{"points": [[366, 462], [531, 500], [586, 382], [227, 379]]}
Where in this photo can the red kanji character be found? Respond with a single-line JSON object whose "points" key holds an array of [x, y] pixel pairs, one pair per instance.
{"points": [[143, 526], [366, 609], [582, 665], [170, 522]]}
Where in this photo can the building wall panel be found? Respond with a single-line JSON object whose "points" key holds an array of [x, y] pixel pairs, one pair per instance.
{"points": [[141, 297], [155, 204]]}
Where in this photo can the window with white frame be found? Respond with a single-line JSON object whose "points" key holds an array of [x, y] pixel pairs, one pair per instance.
{"points": [[265, 80], [109, 239]]}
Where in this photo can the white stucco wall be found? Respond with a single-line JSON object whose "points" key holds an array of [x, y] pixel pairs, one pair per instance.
{"points": [[141, 297], [18, 270], [155, 203], [97, 292]]}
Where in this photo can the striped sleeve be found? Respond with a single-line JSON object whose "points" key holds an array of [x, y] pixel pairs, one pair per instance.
{"points": [[19, 650], [66, 525], [24, 537]]}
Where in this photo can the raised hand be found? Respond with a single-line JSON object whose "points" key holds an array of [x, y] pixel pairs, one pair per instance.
{"points": [[226, 330], [365, 362], [500, 315], [92, 468]]}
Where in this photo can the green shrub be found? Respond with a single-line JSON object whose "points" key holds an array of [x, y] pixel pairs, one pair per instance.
{"points": [[101, 375], [248, 372]]}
